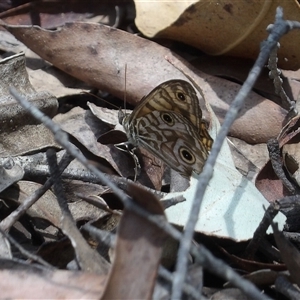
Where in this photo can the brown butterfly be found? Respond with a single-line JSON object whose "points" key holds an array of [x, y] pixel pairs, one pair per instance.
{"points": [[168, 123]]}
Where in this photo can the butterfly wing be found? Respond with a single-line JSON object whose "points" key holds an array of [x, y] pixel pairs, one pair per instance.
{"points": [[168, 122], [178, 96], [169, 136], [173, 95]]}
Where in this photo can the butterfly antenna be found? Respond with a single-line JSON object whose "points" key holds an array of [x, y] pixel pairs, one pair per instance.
{"points": [[125, 91]]}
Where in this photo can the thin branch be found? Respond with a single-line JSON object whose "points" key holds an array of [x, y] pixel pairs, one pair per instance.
{"points": [[187, 288], [25, 252], [61, 137], [279, 28], [9, 221]]}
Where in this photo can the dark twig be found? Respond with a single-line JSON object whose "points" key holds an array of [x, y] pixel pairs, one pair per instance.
{"points": [[277, 30], [87, 258], [103, 236], [290, 206], [189, 290], [260, 232], [277, 81], [276, 161], [218, 267], [25, 252]]}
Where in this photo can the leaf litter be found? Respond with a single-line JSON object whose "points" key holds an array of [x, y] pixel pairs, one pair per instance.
{"points": [[97, 55]]}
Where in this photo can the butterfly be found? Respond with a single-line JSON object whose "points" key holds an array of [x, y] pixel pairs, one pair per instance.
{"points": [[168, 123]]}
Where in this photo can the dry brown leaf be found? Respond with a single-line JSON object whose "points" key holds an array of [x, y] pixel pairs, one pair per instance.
{"points": [[236, 69], [20, 132], [259, 120], [96, 48], [269, 185], [39, 283], [293, 78], [251, 265], [82, 125], [137, 253], [152, 169], [262, 277], [289, 140], [289, 254], [8, 176], [248, 159], [46, 207], [234, 28]]}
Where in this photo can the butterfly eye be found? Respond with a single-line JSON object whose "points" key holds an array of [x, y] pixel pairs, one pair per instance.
{"points": [[167, 119], [181, 96], [186, 155]]}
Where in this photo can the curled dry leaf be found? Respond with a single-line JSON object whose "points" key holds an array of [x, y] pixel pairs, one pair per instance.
{"points": [[82, 125], [234, 28], [8, 176], [20, 132], [88, 52], [152, 168], [262, 277], [267, 181], [289, 139], [252, 265]]}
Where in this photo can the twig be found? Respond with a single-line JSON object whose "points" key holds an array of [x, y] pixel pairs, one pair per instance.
{"points": [[279, 28], [275, 158], [187, 288], [260, 232], [61, 137], [25, 252], [277, 81], [9, 221], [87, 258], [218, 267]]}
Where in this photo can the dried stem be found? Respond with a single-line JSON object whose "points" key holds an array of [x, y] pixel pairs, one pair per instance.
{"points": [[277, 30]]}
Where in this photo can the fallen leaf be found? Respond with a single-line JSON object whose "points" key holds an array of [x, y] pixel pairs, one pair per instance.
{"points": [[20, 132], [56, 284], [234, 28], [46, 208], [232, 207], [137, 252], [97, 41], [8, 176]]}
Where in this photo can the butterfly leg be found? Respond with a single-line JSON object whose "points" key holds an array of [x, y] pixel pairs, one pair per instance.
{"points": [[127, 147]]}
